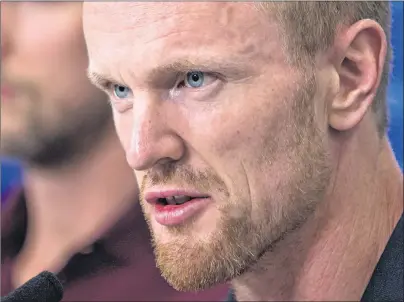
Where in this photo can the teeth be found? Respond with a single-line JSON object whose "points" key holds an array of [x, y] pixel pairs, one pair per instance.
{"points": [[181, 199], [171, 200], [177, 200]]}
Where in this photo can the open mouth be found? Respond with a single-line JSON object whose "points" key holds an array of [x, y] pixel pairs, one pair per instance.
{"points": [[175, 206], [175, 200], [173, 197]]}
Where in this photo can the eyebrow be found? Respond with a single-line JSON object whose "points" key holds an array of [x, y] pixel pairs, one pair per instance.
{"points": [[229, 67], [98, 79], [232, 68]]}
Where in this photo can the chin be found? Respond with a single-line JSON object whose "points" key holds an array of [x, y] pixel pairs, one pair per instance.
{"points": [[199, 229]]}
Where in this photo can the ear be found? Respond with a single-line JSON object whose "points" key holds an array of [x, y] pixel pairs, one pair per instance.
{"points": [[361, 54]]}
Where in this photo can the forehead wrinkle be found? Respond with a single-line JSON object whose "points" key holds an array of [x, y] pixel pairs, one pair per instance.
{"points": [[119, 17], [133, 24], [178, 54], [122, 16], [235, 65]]}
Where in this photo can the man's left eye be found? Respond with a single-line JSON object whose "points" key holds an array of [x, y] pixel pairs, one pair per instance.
{"points": [[121, 92], [194, 79]]}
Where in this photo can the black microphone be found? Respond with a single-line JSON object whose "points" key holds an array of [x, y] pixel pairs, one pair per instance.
{"points": [[43, 288]]}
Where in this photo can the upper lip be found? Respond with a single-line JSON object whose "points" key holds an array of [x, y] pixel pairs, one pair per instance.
{"points": [[152, 196]]}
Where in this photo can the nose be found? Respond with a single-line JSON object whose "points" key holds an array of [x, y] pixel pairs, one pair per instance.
{"points": [[152, 141]]}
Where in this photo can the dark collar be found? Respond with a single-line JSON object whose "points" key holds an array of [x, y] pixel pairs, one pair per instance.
{"points": [[386, 283]]}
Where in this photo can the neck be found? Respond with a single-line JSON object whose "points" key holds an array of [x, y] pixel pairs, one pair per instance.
{"points": [[69, 209], [333, 255]]}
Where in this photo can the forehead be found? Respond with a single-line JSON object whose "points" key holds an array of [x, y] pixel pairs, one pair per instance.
{"points": [[115, 16], [135, 31]]}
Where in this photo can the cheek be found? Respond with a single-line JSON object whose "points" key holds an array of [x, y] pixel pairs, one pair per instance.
{"points": [[227, 142], [252, 146], [124, 127], [241, 132]]}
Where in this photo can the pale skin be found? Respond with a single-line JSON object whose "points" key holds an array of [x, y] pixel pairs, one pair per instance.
{"points": [[70, 204], [243, 128]]}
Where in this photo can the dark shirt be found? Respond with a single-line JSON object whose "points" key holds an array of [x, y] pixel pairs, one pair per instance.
{"points": [[121, 266], [386, 283]]}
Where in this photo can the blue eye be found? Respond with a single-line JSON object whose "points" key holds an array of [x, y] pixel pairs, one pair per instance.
{"points": [[194, 79], [121, 92]]}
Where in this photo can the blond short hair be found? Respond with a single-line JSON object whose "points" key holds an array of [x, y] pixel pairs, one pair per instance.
{"points": [[310, 27]]}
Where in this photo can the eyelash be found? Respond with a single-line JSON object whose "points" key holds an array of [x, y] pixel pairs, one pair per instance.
{"points": [[180, 81], [108, 86], [182, 76], [104, 85], [180, 84]]}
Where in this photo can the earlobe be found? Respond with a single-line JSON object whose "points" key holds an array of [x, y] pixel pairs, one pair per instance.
{"points": [[363, 50], [348, 111]]}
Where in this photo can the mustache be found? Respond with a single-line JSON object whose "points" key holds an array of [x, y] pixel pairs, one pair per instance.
{"points": [[182, 175]]}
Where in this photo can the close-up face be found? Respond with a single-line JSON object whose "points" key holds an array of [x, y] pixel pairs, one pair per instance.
{"points": [[48, 105], [227, 139]]}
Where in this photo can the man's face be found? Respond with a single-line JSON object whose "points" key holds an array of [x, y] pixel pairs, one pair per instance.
{"points": [[207, 107], [49, 108]]}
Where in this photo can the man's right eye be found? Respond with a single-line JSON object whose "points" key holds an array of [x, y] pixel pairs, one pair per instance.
{"points": [[121, 92]]}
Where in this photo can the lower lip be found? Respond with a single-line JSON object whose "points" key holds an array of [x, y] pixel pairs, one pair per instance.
{"points": [[171, 215]]}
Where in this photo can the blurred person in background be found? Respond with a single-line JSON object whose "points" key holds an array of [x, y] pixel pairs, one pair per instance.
{"points": [[78, 213]]}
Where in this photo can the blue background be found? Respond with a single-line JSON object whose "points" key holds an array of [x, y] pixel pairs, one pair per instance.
{"points": [[11, 172]]}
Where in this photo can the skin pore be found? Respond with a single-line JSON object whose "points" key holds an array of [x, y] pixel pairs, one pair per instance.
{"points": [[60, 126], [304, 193]]}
